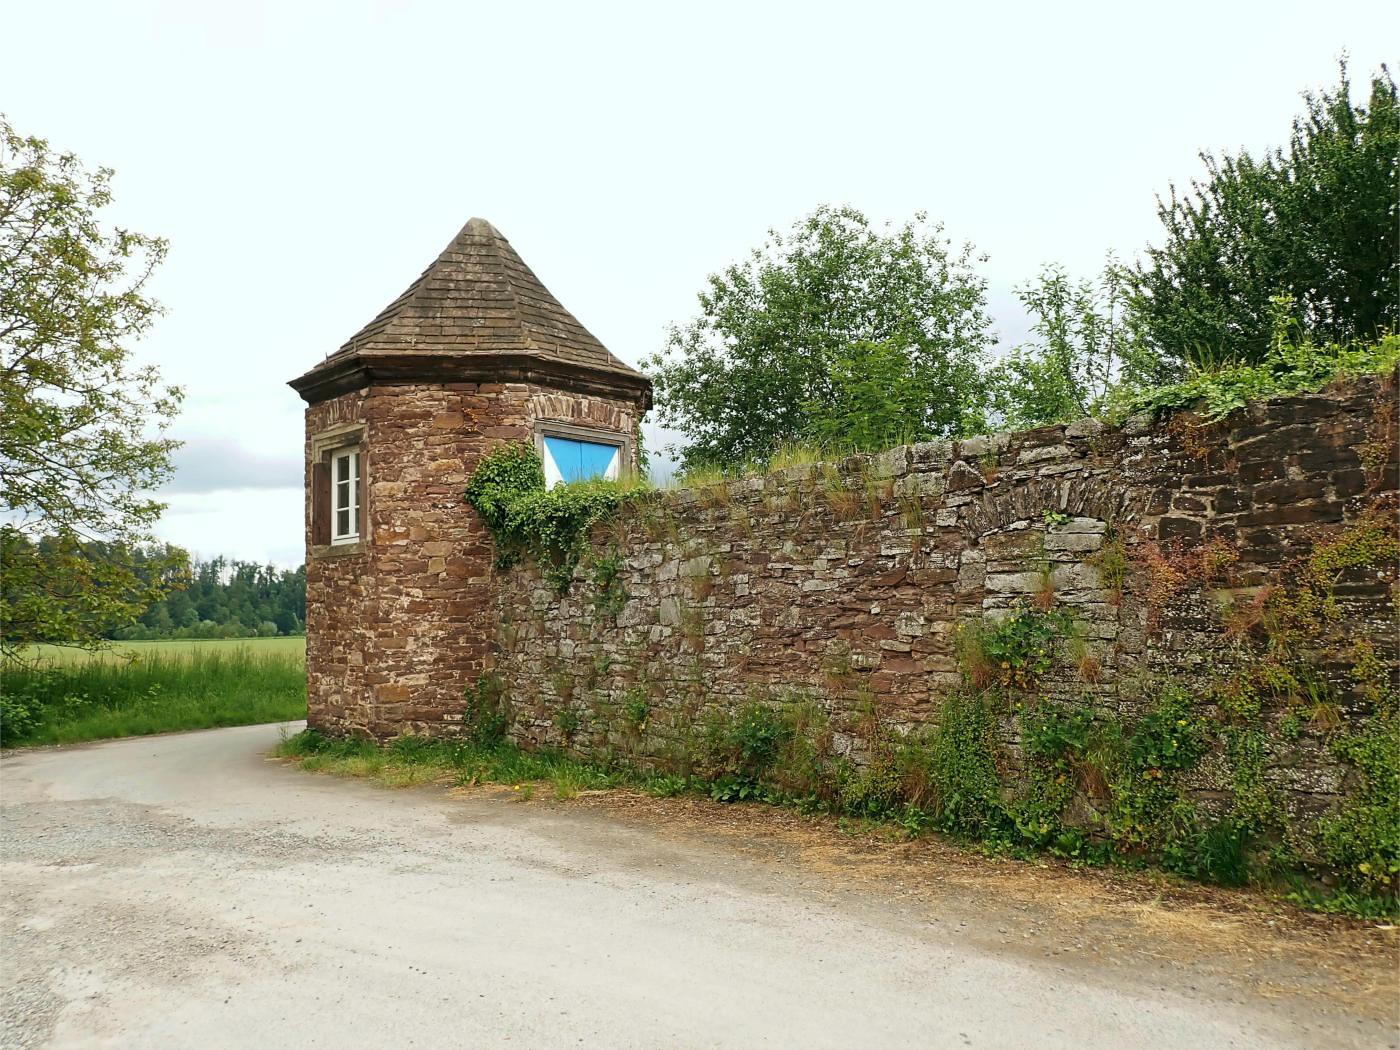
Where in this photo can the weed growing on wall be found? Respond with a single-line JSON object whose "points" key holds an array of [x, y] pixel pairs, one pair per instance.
{"points": [[1292, 367], [1146, 816], [1111, 561], [1063, 755], [567, 721], [636, 710], [610, 595], [961, 760], [1362, 839], [486, 715], [1015, 651]]}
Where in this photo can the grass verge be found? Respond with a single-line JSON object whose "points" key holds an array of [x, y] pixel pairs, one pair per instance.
{"points": [[156, 692], [409, 760]]}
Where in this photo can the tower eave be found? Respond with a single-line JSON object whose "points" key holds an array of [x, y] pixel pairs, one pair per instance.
{"points": [[339, 375]]}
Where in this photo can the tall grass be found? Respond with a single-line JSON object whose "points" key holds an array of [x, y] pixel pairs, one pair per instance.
{"points": [[792, 454], [123, 651], [55, 702]]}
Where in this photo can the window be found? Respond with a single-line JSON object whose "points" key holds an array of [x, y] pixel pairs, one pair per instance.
{"points": [[575, 459], [336, 496], [345, 496]]}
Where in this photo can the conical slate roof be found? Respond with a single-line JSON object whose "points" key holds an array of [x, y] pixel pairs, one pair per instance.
{"points": [[476, 301]]}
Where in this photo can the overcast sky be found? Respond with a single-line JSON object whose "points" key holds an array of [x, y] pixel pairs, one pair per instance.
{"points": [[307, 160]]}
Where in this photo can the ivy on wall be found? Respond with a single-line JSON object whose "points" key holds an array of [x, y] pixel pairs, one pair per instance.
{"points": [[528, 520]]}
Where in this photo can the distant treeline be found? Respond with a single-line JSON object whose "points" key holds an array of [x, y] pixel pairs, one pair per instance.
{"points": [[225, 598]]}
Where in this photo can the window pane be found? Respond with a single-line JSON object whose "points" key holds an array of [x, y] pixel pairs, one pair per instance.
{"points": [[342, 522], [342, 468], [597, 460], [580, 460]]}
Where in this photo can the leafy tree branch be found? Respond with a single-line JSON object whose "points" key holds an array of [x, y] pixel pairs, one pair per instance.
{"points": [[82, 425]]}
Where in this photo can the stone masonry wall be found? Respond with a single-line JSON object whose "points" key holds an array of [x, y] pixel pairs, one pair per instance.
{"points": [[400, 624], [335, 670], [846, 582]]}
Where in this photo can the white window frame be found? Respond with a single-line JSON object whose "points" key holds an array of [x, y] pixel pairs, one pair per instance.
{"points": [[345, 498]]}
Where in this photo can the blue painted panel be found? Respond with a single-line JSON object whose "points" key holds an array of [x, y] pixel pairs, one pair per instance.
{"points": [[579, 460], [595, 458]]}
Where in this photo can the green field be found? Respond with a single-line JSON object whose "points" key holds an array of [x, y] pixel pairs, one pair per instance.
{"points": [[135, 688], [185, 648]]}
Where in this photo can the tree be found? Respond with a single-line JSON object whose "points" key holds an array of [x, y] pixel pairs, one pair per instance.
{"points": [[60, 588], [1319, 222], [1077, 357], [779, 336], [81, 426], [877, 397], [230, 597]]}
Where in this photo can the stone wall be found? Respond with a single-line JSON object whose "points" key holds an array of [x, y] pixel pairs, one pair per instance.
{"points": [[845, 584], [399, 624]]}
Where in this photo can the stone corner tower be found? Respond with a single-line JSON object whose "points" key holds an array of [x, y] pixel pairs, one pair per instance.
{"points": [[474, 353]]}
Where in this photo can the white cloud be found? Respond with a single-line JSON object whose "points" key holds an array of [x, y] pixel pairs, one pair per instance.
{"points": [[260, 525], [207, 464]]}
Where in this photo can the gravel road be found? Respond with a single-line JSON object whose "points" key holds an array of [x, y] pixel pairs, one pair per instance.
{"points": [[185, 891]]}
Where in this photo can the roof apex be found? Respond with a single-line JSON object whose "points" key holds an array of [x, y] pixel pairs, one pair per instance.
{"points": [[476, 300]]}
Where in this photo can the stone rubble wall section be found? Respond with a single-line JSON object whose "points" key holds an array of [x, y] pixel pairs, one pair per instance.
{"points": [[844, 584]]}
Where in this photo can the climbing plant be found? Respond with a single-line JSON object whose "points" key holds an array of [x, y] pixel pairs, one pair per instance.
{"points": [[528, 520]]}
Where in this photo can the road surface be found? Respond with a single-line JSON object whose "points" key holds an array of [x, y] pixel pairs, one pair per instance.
{"points": [[183, 891]]}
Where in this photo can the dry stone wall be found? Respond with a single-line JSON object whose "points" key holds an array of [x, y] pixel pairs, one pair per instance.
{"points": [[844, 585]]}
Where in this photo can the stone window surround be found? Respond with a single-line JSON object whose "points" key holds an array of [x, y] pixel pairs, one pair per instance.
{"points": [[626, 466], [346, 436]]}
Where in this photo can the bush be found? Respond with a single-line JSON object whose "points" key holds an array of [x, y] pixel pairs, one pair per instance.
{"points": [[1361, 841], [1293, 366], [20, 713], [754, 739]]}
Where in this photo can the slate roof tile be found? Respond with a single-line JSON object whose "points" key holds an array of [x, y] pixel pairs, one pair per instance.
{"points": [[479, 297]]}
